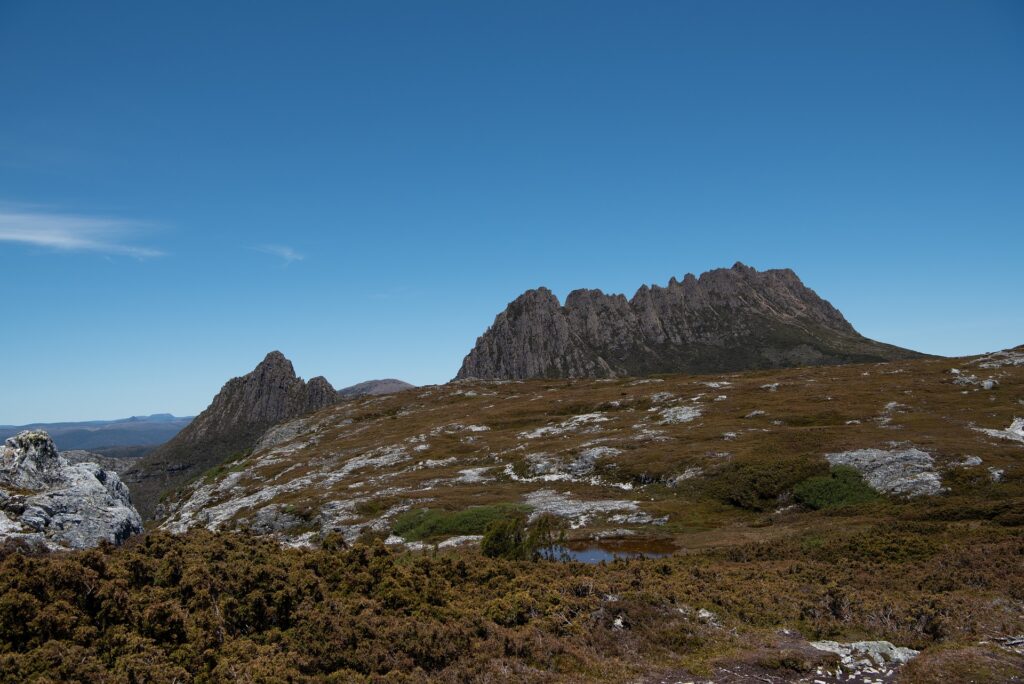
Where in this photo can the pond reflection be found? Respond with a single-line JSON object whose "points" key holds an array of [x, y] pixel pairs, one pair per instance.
{"points": [[607, 551]]}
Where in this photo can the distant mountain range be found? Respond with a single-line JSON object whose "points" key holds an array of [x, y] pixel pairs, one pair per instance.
{"points": [[137, 431], [726, 320]]}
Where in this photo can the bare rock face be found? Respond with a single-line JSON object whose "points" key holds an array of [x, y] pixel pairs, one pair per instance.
{"points": [[901, 472], [240, 413], [726, 320], [45, 500]]}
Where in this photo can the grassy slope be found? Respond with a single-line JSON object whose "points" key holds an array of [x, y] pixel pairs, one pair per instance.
{"points": [[814, 411]]}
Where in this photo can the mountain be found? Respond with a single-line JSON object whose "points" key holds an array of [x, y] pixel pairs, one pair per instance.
{"points": [[137, 431], [49, 502], [374, 388], [725, 320], [240, 413]]}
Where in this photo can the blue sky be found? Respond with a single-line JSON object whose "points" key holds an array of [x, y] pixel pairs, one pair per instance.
{"points": [[364, 185]]}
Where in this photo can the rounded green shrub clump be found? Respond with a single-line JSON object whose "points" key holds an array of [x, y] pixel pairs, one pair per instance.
{"points": [[843, 486]]}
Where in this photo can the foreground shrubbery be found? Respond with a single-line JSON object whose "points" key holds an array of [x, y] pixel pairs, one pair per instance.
{"points": [[227, 607]]}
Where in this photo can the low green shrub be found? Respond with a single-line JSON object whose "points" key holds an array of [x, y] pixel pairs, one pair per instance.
{"points": [[758, 485], [843, 486], [427, 523]]}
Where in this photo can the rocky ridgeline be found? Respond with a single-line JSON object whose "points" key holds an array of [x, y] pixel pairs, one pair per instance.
{"points": [[47, 501], [725, 320], [242, 411]]}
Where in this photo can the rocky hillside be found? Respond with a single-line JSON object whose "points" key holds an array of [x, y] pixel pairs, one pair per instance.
{"points": [[687, 460], [725, 320], [240, 413], [374, 387], [49, 502]]}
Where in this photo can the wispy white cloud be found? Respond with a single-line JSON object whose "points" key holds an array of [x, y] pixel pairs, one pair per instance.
{"points": [[71, 232], [286, 253]]}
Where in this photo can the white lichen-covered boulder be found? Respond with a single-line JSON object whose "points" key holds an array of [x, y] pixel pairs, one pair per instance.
{"points": [[903, 472], [45, 500], [867, 653]]}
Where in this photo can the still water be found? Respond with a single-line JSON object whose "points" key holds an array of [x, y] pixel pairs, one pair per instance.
{"points": [[608, 551]]}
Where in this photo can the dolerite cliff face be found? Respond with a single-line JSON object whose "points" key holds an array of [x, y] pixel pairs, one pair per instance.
{"points": [[240, 413], [49, 502], [726, 320]]}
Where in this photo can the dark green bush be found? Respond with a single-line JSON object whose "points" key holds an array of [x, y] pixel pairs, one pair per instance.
{"points": [[514, 539], [428, 523], [757, 485], [843, 486]]}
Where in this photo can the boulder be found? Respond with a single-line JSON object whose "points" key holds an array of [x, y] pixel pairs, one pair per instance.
{"points": [[905, 472], [47, 501]]}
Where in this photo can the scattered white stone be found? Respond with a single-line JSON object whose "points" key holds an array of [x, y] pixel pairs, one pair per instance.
{"points": [[755, 414], [662, 397], [1014, 433], [996, 474], [729, 435], [470, 475], [708, 618], [774, 386], [1007, 357], [969, 462], [679, 414], [889, 411], [687, 474], [637, 518], [905, 472], [571, 425], [645, 433], [867, 653], [577, 511], [717, 385], [721, 397]]}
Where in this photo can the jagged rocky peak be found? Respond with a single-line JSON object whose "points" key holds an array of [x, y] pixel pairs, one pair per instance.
{"points": [[726, 320], [245, 408], [47, 501], [272, 392]]}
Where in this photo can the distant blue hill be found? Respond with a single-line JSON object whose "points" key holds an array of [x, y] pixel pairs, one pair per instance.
{"points": [[146, 431]]}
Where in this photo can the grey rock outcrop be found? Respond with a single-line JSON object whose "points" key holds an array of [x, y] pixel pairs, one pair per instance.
{"points": [[110, 463], [903, 472], [878, 654], [726, 320], [45, 500], [244, 409]]}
